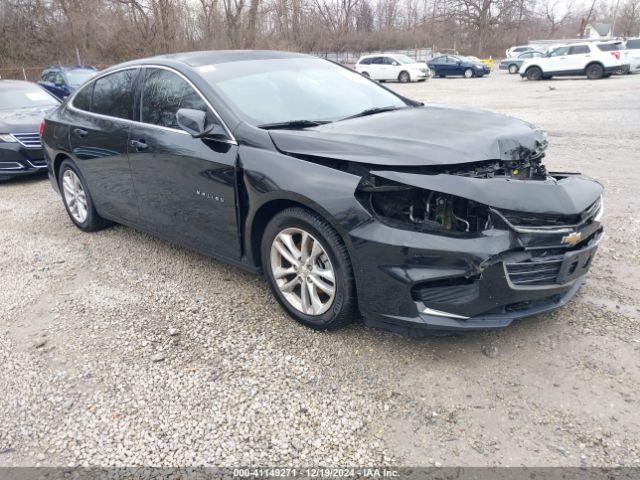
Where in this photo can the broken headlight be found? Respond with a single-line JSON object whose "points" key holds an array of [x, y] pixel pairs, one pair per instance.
{"points": [[411, 208]]}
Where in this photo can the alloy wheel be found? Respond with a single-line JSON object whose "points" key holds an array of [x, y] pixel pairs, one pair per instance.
{"points": [[303, 271], [468, 73], [74, 196]]}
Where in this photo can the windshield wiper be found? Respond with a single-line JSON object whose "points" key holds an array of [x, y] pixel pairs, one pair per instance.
{"points": [[293, 124], [373, 111]]}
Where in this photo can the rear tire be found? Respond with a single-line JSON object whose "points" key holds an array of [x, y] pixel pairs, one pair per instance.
{"points": [[77, 199], [366, 74], [404, 77], [513, 68], [287, 229], [595, 71], [534, 73]]}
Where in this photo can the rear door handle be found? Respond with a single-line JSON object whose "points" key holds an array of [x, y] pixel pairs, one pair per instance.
{"points": [[138, 145], [80, 132]]}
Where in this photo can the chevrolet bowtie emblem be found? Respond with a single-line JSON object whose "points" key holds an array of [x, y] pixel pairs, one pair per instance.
{"points": [[572, 238]]}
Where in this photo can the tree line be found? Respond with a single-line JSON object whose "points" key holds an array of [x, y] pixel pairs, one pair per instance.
{"points": [[103, 32]]}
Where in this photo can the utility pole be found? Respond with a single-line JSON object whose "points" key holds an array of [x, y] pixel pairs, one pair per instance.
{"points": [[615, 16]]}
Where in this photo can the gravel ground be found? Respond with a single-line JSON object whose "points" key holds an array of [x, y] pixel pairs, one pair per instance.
{"points": [[117, 348]]}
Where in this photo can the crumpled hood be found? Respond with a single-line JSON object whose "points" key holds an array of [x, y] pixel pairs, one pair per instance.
{"points": [[417, 137], [23, 119]]}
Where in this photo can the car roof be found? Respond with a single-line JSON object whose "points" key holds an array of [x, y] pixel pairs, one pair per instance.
{"points": [[197, 59], [15, 84], [371, 55]]}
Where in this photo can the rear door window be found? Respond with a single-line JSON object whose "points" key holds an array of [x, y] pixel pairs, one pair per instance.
{"points": [[163, 94], [579, 50], [113, 94], [377, 61], [365, 61], [82, 100]]}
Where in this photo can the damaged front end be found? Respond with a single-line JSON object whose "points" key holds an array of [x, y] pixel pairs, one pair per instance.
{"points": [[476, 245]]}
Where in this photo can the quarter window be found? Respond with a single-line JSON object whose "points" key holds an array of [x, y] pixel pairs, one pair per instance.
{"points": [[113, 94], [163, 94]]}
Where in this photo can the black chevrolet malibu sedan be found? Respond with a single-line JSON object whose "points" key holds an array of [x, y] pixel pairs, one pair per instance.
{"points": [[23, 105], [348, 197]]}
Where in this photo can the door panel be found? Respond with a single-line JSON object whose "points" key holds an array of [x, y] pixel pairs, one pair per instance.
{"points": [[99, 147], [186, 188], [185, 185]]}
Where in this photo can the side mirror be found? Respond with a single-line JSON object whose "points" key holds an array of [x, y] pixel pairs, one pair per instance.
{"points": [[196, 123], [395, 64], [58, 83]]}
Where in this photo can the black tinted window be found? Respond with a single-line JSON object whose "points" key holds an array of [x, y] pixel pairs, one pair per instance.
{"points": [[365, 61], [82, 100], [112, 94], [610, 47], [633, 44], [579, 49], [377, 60], [163, 94]]}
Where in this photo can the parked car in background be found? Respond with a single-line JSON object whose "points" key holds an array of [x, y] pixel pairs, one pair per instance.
{"points": [[515, 51], [61, 81], [416, 217], [23, 105], [595, 60], [513, 64], [452, 65], [384, 67], [633, 54]]}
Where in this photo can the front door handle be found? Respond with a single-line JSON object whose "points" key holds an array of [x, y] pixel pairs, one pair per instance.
{"points": [[80, 132], [139, 145]]}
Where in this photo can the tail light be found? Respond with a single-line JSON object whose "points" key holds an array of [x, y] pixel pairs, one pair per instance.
{"points": [[41, 128], [616, 54]]}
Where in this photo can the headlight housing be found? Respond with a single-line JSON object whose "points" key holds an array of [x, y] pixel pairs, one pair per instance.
{"points": [[411, 208]]}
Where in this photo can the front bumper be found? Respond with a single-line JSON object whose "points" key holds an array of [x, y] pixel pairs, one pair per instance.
{"points": [[419, 283], [17, 160]]}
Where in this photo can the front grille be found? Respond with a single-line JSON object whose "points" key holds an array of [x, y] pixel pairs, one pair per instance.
{"points": [[454, 291], [550, 221], [535, 272], [29, 140]]}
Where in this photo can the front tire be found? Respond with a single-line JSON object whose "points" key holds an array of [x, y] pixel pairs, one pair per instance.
{"points": [[534, 73], [77, 199], [404, 77], [595, 71], [308, 269], [468, 73]]}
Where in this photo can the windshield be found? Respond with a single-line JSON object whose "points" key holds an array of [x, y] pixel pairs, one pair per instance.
{"points": [[26, 97], [405, 60], [78, 77], [282, 90]]}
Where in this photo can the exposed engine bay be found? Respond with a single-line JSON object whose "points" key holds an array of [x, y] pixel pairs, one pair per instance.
{"points": [[405, 206]]}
